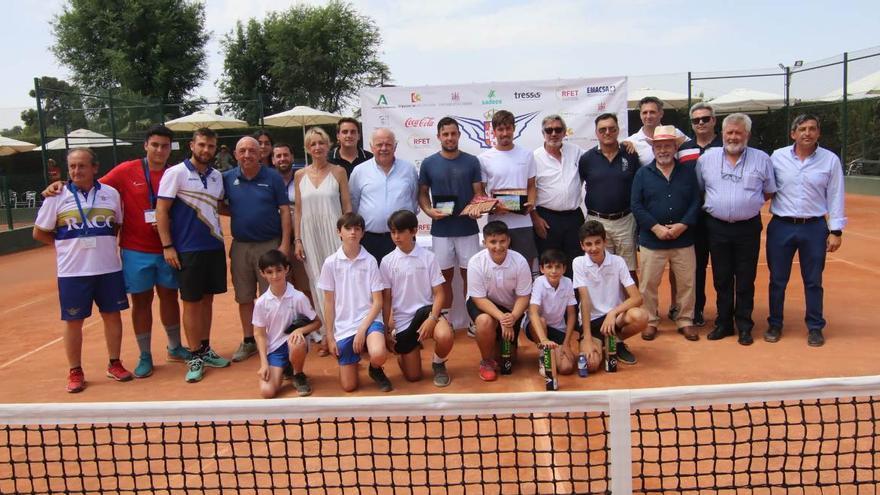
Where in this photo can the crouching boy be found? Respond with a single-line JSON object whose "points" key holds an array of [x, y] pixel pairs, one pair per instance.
{"points": [[283, 316], [413, 299], [352, 302], [552, 315]]}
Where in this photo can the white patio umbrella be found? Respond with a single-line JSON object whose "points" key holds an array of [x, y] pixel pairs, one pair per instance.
{"points": [[865, 87], [82, 137], [302, 116], [197, 120], [9, 146], [670, 99], [747, 101]]}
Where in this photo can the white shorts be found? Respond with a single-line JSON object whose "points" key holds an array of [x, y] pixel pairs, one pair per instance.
{"points": [[451, 250]]}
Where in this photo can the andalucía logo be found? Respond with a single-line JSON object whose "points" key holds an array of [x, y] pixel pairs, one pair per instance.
{"points": [[491, 99], [480, 130], [382, 100]]}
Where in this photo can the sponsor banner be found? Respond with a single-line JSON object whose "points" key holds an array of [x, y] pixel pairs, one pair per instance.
{"points": [[412, 113]]}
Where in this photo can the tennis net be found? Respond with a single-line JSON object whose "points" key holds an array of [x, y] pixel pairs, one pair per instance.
{"points": [[778, 437]]}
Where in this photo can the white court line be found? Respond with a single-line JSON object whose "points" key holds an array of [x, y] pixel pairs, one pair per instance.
{"points": [[24, 305], [38, 349], [858, 265]]}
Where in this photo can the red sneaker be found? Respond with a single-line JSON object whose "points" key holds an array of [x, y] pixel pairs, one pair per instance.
{"points": [[487, 370], [76, 380], [117, 372]]}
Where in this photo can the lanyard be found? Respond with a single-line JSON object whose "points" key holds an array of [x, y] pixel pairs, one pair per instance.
{"points": [[82, 214], [150, 192]]}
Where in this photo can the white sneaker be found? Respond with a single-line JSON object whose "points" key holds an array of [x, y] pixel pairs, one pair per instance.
{"points": [[472, 331]]}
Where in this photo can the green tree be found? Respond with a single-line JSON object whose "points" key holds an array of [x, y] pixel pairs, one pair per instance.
{"points": [[307, 55], [154, 48]]}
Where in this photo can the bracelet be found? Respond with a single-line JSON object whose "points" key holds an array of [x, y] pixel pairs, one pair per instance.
{"points": [[297, 240], [168, 246], [432, 317]]}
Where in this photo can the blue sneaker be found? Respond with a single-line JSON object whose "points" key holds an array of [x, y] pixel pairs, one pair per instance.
{"points": [[195, 370], [213, 360], [179, 354], [145, 366]]}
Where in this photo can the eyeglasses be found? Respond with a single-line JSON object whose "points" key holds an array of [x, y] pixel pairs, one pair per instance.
{"points": [[607, 130], [734, 177], [701, 120], [554, 130]]}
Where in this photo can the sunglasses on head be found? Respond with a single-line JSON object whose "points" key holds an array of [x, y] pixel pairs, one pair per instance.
{"points": [[701, 120], [554, 130]]}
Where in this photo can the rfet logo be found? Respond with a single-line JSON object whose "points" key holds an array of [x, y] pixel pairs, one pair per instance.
{"points": [[568, 93], [480, 131], [422, 122], [418, 141], [415, 97]]}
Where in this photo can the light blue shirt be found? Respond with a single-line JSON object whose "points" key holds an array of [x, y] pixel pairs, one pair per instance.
{"points": [[812, 188], [375, 195], [735, 193]]}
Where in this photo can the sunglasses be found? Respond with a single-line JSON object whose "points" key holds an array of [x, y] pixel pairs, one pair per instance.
{"points": [[701, 120], [607, 130], [554, 130]]}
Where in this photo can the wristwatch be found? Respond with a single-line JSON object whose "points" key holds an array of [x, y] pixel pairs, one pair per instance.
{"points": [[838, 233]]}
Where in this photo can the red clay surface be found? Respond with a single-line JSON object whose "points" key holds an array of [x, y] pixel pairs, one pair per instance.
{"points": [[33, 367]]}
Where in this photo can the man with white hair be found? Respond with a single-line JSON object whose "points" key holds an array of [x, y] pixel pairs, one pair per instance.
{"points": [[737, 180], [665, 201], [379, 187], [260, 211]]}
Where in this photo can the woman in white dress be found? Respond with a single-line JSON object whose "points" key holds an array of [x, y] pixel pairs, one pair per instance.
{"points": [[322, 196]]}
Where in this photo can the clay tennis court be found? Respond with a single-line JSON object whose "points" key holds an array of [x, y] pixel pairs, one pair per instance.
{"points": [[33, 370]]}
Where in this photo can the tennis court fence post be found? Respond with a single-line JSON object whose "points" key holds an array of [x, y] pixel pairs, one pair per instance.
{"points": [[620, 442]]}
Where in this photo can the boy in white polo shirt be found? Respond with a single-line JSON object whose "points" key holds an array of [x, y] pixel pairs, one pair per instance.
{"points": [[352, 302], [280, 340], [499, 285], [413, 299], [82, 222], [598, 278], [552, 313]]}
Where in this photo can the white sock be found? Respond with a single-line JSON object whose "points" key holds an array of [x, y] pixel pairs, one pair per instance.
{"points": [[437, 359]]}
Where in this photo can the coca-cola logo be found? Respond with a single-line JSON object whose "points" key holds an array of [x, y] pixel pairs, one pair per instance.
{"points": [[422, 122]]}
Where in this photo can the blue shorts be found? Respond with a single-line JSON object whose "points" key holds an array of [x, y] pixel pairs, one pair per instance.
{"points": [[280, 357], [77, 294], [143, 271], [346, 346]]}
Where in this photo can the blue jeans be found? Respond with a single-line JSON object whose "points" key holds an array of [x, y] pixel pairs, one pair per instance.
{"points": [[808, 240]]}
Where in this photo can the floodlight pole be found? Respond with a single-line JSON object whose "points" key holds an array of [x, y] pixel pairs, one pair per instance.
{"points": [[44, 153], [112, 124], [845, 113], [689, 92], [787, 97]]}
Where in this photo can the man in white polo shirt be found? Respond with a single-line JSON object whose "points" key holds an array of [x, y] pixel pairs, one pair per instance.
{"points": [[82, 222], [651, 114], [508, 166]]}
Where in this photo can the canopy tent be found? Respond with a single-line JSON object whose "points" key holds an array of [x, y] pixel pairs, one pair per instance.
{"points": [[670, 99], [197, 120], [302, 116], [747, 101], [866, 87], [82, 138], [9, 146]]}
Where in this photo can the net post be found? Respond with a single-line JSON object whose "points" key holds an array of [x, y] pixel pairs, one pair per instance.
{"points": [[620, 442]]}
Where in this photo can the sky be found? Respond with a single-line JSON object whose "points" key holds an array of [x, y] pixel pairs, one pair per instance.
{"points": [[461, 41]]}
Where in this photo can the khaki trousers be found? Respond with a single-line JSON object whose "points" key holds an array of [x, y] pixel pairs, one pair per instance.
{"points": [[683, 265]]}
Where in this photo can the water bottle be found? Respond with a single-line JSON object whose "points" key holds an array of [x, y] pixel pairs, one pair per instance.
{"points": [[582, 365], [506, 361], [611, 353]]}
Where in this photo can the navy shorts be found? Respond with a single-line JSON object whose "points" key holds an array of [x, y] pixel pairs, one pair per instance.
{"points": [[554, 334], [407, 340], [76, 295], [280, 357], [474, 312], [596, 327], [346, 346]]}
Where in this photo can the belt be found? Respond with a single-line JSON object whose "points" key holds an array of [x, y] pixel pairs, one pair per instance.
{"points": [[609, 216], [735, 222], [798, 221], [558, 212]]}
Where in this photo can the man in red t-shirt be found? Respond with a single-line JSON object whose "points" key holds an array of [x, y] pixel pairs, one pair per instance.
{"points": [[143, 264]]}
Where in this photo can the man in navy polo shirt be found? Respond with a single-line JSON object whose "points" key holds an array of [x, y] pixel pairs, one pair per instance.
{"points": [[260, 211]]}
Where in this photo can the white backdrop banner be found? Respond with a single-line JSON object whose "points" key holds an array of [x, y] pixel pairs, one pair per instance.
{"points": [[413, 112]]}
